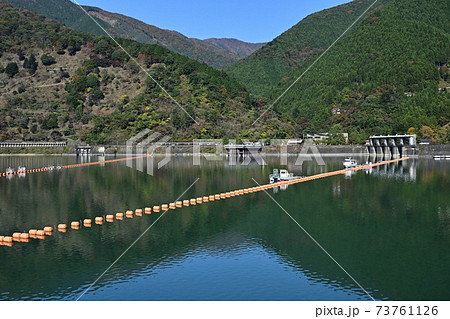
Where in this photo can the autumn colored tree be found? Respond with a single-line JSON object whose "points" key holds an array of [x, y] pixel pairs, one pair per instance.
{"points": [[426, 132]]}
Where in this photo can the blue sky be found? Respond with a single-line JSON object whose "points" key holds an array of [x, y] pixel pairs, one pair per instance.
{"points": [[247, 20]]}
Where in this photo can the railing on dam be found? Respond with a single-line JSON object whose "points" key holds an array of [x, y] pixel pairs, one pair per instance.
{"points": [[33, 144]]}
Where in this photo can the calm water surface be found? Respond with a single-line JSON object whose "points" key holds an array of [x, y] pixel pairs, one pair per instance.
{"points": [[389, 229]]}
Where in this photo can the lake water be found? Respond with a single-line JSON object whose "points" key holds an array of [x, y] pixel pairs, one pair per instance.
{"points": [[390, 229]]}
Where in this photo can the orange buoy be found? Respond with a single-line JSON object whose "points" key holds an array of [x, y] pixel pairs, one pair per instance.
{"points": [[205, 198], [62, 226], [217, 196], [192, 201], [179, 203], [211, 198], [119, 215], [186, 202], [87, 222], [40, 232], [245, 190], [233, 193], [98, 219], [199, 200], [172, 205], [74, 225], [129, 214], [109, 217], [48, 229], [1, 238], [8, 239], [138, 212], [16, 235], [222, 195], [156, 209], [164, 207], [24, 236], [32, 231], [148, 210], [227, 194]]}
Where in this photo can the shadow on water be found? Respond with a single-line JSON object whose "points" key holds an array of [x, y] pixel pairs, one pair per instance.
{"points": [[389, 228]]}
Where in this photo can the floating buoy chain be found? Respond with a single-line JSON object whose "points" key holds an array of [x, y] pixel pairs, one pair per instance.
{"points": [[45, 169], [48, 230]]}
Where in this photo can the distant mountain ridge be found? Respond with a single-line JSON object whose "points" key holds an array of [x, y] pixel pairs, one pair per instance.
{"points": [[218, 54], [127, 27], [234, 45]]}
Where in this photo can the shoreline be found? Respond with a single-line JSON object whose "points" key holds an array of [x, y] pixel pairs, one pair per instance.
{"points": [[211, 155], [420, 151]]}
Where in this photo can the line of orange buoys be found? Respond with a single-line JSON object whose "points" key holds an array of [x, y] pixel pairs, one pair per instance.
{"points": [[45, 169], [48, 231]]}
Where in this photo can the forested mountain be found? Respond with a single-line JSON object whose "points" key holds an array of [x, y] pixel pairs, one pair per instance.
{"points": [[262, 70], [216, 54], [388, 76], [61, 10], [57, 84]]}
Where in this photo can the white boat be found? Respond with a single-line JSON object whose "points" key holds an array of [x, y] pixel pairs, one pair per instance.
{"points": [[441, 157], [281, 175], [349, 162]]}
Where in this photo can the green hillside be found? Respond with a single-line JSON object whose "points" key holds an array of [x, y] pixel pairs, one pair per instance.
{"points": [[389, 75], [63, 11], [262, 70], [58, 84]]}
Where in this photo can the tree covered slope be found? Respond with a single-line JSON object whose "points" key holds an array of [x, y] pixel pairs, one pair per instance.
{"points": [[59, 84], [388, 76], [263, 69], [61, 10]]}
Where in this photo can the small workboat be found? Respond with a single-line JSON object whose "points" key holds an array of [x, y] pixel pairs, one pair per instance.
{"points": [[22, 168], [281, 175], [349, 162], [9, 170], [441, 157]]}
